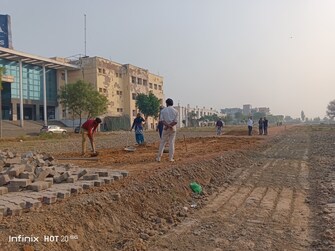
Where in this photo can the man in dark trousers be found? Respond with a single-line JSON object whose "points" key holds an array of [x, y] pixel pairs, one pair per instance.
{"points": [[265, 126], [260, 126], [88, 129]]}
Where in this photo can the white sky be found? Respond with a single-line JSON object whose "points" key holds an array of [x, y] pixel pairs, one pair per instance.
{"points": [[215, 53]]}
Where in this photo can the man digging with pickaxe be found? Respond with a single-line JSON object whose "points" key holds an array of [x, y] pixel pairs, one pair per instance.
{"points": [[88, 129]]}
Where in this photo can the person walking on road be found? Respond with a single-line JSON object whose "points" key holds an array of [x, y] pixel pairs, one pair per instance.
{"points": [[265, 126], [260, 126], [219, 126], [138, 126], [87, 130], [250, 124], [168, 116]]}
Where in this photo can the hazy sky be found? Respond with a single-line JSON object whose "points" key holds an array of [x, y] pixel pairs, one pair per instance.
{"points": [[213, 53]]}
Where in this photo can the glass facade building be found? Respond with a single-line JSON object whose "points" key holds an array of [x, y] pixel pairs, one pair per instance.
{"points": [[23, 86]]}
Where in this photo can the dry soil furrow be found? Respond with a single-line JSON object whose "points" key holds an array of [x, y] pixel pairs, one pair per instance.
{"points": [[262, 209]]}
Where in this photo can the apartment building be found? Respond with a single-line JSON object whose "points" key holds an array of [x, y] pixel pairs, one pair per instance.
{"points": [[120, 83]]}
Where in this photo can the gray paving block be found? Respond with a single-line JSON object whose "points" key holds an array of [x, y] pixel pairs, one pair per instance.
{"points": [[116, 175], [27, 175], [99, 183], [16, 201], [20, 182], [32, 203], [13, 189], [72, 179], [76, 189], [49, 198], [49, 180], [88, 184], [16, 160], [39, 185], [123, 172], [42, 175], [81, 173], [102, 173], [107, 180], [3, 190], [4, 179], [61, 178], [91, 177]]}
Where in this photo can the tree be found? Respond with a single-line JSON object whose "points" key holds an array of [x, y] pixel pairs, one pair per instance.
{"points": [[257, 115], [228, 119], [148, 105], [192, 118], [81, 98], [302, 115], [331, 109]]}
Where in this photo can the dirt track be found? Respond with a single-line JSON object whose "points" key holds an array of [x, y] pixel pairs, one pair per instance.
{"points": [[260, 193]]}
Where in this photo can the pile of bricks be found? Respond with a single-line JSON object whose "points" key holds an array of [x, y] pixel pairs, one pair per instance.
{"points": [[29, 180]]}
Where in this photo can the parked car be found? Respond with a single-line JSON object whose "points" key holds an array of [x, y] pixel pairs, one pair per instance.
{"points": [[53, 129], [77, 129]]}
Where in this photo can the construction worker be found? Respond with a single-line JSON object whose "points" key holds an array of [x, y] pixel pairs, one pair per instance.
{"points": [[88, 129], [219, 125], [168, 116], [138, 126]]}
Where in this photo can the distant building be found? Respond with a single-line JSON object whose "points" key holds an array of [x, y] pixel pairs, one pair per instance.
{"points": [[187, 112], [120, 83], [264, 110], [247, 109], [231, 111]]}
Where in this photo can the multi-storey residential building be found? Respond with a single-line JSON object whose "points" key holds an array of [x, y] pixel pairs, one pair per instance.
{"points": [[121, 83]]}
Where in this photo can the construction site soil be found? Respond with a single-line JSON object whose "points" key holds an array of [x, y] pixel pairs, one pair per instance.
{"points": [[263, 193]]}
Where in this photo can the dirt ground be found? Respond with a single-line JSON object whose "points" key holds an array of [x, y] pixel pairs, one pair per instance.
{"points": [[272, 192]]}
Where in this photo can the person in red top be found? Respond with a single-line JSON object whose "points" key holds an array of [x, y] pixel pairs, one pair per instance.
{"points": [[88, 129]]}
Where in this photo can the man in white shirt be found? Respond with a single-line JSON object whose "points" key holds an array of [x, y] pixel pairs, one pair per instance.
{"points": [[250, 124], [168, 117]]}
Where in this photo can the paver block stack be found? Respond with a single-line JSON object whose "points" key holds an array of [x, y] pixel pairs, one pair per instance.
{"points": [[29, 180]]}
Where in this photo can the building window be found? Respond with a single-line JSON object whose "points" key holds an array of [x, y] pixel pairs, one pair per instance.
{"points": [[100, 70], [155, 86], [150, 85], [119, 109], [134, 96], [100, 89], [119, 93], [159, 87], [139, 81], [145, 82], [133, 80], [103, 71], [117, 75]]}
